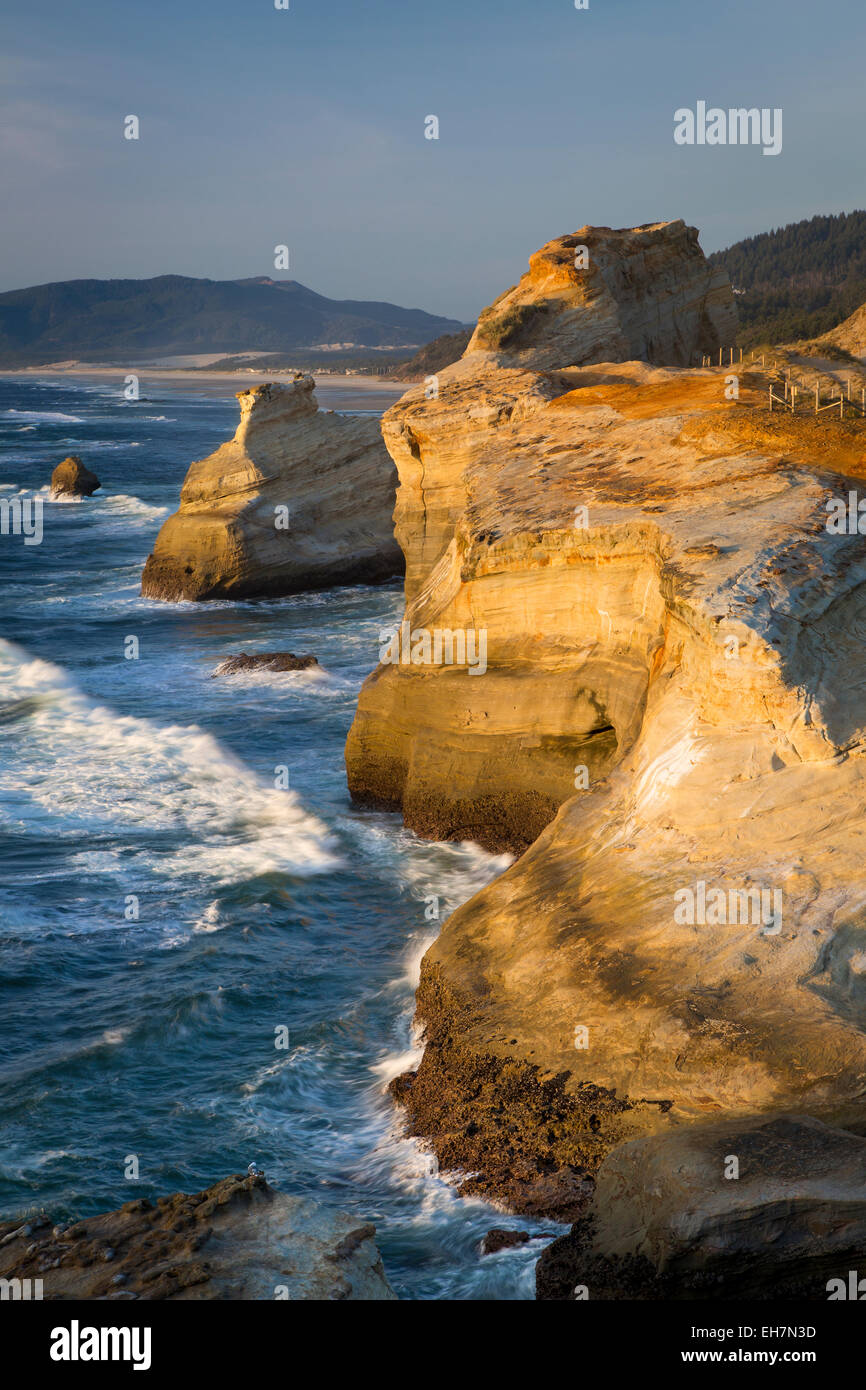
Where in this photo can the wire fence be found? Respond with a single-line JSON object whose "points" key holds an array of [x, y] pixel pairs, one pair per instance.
{"points": [[794, 390]]}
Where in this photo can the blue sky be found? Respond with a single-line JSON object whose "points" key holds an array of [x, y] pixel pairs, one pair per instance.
{"points": [[306, 127]]}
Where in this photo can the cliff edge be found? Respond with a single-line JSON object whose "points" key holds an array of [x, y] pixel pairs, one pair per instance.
{"points": [[667, 726]]}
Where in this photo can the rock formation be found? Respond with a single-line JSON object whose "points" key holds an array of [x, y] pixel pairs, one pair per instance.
{"points": [[239, 1239], [500, 1239], [264, 661], [71, 479], [670, 714], [299, 499], [612, 296], [756, 1208]]}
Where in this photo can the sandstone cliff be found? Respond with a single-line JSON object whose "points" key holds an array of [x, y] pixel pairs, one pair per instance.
{"points": [[609, 296], [672, 1217], [299, 499], [672, 704]]}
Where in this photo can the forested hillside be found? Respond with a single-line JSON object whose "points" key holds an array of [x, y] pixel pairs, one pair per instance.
{"points": [[798, 281]]}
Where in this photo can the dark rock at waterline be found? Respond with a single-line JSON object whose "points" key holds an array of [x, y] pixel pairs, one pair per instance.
{"points": [[239, 1239], [519, 1135], [265, 661], [743, 1208], [500, 1239], [71, 479]]}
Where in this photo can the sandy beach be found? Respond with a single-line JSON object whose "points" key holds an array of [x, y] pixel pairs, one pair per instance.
{"points": [[167, 376]]}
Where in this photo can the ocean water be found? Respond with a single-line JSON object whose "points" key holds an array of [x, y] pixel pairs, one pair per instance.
{"points": [[146, 785]]}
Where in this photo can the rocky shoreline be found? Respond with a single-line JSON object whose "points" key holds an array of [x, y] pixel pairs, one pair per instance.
{"points": [[523, 1139], [631, 657], [239, 1239], [667, 715]]}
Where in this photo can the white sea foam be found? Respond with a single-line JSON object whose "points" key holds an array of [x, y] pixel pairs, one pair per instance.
{"points": [[47, 417], [209, 921], [102, 446], [118, 503], [452, 871], [127, 505], [84, 769], [297, 683]]}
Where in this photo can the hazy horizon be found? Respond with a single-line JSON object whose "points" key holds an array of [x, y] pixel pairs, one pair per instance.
{"points": [[306, 127]]}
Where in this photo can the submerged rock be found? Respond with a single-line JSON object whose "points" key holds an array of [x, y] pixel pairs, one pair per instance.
{"points": [[265, 661], [239, 1239], [500, 1239], [752, 1208], [299, 499], [71, 478]]}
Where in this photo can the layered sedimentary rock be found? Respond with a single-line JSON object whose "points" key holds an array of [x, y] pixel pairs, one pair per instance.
{"points": [[672, 703], [298, 499], [611, 296], [239, 1239], [772, 1208]]}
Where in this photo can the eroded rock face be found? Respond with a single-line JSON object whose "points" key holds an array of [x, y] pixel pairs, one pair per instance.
{"points": [[601, 295], [672, 706], [239, 1239], [71, 479], [299, 499], [750, 1208]]}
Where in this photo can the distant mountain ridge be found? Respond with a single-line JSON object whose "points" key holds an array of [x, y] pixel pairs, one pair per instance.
{"points": [[175, 315], [798, 281]]}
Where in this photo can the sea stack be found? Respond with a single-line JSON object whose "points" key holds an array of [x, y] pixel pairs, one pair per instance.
{"points": [[298, 499], [71, 479], [668, 730]]}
